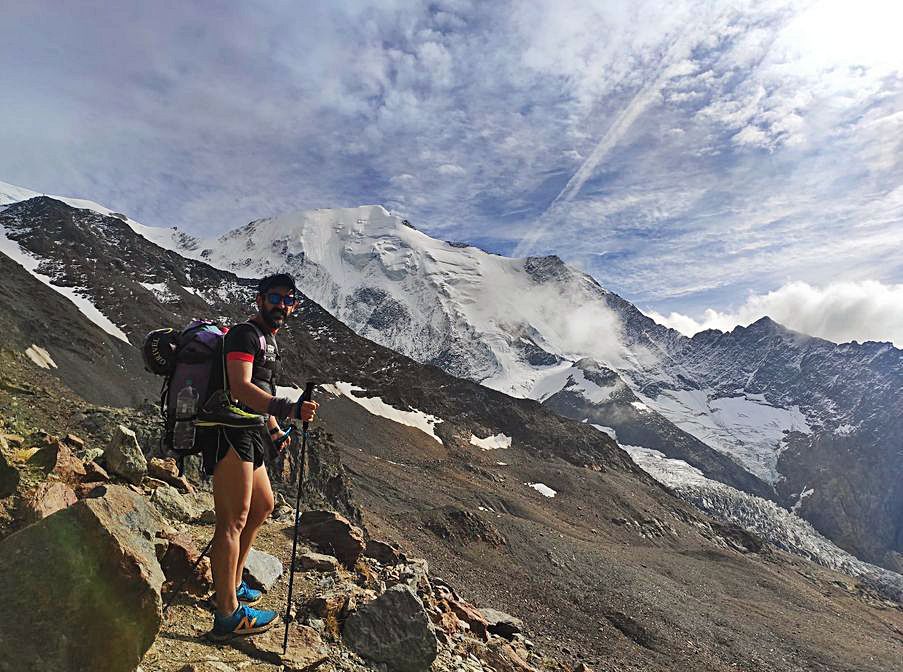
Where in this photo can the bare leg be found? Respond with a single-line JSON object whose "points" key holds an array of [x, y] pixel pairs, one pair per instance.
{"points": [[232, 486], [262, 504]]}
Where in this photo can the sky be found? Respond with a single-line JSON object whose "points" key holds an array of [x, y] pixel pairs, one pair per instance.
{"points": [[708, 161]]}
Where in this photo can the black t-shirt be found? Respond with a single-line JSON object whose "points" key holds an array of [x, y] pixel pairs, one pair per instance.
{"points": [[243, 343]]}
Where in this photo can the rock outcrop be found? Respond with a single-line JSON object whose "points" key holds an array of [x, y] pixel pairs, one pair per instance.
{"points": [[393, 629], [84, 585], [334, 534]]}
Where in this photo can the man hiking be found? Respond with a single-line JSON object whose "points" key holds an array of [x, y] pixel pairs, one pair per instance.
{"points": [[242, 494]]}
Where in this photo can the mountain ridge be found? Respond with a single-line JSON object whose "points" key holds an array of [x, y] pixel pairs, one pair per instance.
{"points": [[488, 318]]}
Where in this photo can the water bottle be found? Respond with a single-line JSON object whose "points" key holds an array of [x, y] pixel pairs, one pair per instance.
{"points": [[186, 410]]}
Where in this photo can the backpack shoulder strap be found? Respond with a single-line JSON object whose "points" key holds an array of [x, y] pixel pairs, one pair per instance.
{"points": [[260, 335]]}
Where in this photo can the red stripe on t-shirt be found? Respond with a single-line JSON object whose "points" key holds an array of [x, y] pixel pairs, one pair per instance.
{"points": [[239, 357]]}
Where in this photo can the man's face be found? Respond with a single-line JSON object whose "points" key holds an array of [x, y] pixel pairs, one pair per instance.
{"points": [[273, 308]]}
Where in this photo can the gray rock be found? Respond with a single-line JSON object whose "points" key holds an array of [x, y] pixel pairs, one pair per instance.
{"points": [[318, 561], [262, 569], [72, 577], [395, 630], [172, 504], [333, 533], [384, 552], [502, 624], [124, 457]]}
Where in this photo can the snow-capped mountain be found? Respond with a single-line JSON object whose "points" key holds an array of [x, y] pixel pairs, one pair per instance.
{"points": [[504, 497], [767, 399], [799, 420]]}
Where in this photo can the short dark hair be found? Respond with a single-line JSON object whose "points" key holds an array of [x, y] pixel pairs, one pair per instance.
{"points": [[277, 280]]}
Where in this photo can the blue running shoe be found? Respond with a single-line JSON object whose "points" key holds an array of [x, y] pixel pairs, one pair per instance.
{"points": [[245, 621], [247, 595]]}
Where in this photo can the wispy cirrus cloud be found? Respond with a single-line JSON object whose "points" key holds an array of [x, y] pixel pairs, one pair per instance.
{"points": [[683, 154]]}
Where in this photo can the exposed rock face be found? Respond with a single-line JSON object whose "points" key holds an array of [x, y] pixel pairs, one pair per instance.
{"points": [[334, 534], [84, 584], [393, 629], [124, 456]]}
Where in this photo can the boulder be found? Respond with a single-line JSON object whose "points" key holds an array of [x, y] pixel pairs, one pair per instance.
{"points": [[55, 457], [413, 573], [384, 553], [172, 504], [167, 470], [94, 473], [502, 624], [178, 560], [124, 457], [305, 651], [318, 562], [334, 534], [468, 613], [395, 630], [74, 442], [262, 570], [84, 584], [47, 498]]}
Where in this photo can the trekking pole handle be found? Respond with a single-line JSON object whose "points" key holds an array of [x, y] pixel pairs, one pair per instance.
{"points": [[307, 396]]}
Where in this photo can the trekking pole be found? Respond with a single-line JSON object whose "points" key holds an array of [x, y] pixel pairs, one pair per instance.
{"points": [[176, 591], [307, 396]]}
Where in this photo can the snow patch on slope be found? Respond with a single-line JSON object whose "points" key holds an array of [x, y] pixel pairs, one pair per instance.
{"points": [[567, 377], [424, 422], [30, 263], [542, 489], [494, 442], [40, 356], [161, 291]]}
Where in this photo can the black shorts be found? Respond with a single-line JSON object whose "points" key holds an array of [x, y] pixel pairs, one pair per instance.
{"points": [[250, 445]]}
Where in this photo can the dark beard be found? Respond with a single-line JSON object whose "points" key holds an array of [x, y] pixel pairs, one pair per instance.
{"points": [[274, 319]]}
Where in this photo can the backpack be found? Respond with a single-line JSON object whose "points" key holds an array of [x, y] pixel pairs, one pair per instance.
{"points": [[191, 355]]}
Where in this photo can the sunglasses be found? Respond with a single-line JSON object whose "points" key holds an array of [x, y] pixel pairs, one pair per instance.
{"points": [[276, 298]]}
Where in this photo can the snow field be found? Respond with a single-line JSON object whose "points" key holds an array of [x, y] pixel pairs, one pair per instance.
{"points": [[542, 489], [494, 442], [30, 263], [419, 420]]}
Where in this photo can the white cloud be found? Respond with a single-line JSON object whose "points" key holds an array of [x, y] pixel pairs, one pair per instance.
{"points": [[644, 122], [841, 312], [451, 169]]}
